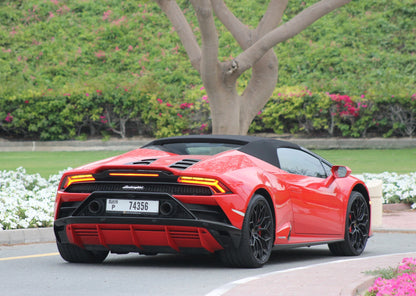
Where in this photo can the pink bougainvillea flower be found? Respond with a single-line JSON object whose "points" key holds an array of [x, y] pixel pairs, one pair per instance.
{"points": [[63, 10], [160, 101], [9, 118], [100, 54], [87, 94], [106, 14], [119, 21], [180, 115], [186, 105], [169, 105]]}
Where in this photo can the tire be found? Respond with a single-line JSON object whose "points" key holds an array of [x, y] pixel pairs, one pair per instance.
{"points": [[257, 237], [75, 254], [357, 228]]}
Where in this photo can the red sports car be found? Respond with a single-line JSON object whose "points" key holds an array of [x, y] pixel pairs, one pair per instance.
{"points": [[238, 196]]}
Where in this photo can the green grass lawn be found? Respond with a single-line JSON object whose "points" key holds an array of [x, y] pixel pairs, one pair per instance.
{"points": [[400, 161], [48, 163], [360, 161]]}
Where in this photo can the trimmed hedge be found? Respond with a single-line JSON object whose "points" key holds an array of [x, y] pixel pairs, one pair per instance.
{"points": [[296, 110], [122, 111], [135, 110]]}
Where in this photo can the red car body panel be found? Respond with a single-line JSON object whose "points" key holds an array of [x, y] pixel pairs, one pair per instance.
{"points": [[307, 210]]}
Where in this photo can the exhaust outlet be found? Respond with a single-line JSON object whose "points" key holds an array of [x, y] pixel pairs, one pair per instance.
{"points": [[167, 208], [94, 207]]}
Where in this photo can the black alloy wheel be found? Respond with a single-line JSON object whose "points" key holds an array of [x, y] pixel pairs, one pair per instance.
{"points": [[257, 236], [357, 227]]}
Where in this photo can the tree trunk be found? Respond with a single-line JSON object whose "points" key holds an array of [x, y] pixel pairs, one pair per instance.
{"points": [[226, 115], [232, 113]]}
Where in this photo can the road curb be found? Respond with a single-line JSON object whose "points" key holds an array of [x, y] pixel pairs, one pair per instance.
{"points": [[26, 236], [359, 287]]}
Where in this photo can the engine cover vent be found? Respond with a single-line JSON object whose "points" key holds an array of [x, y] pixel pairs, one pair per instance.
{"points": [[184, 164], [144, 161]]}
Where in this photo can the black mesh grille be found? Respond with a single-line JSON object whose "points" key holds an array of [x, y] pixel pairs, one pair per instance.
{"points": [[208, 212], [67, 208], [173, 189]]}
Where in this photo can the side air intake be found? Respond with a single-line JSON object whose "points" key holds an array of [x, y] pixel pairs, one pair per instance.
{"points": [[184, 164]]}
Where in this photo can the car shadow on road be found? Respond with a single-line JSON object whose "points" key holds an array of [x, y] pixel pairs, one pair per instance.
{"points": [[299, 254], [212, 261]]}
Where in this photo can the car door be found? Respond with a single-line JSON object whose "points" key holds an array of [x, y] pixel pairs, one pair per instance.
{"points": [[316, 206]]}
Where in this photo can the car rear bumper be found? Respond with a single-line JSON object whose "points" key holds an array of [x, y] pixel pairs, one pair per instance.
{"points": [[181, 228], [145, 235]]}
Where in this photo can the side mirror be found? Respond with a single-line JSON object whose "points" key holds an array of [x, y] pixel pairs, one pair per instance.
{"points": [[340, 171]]}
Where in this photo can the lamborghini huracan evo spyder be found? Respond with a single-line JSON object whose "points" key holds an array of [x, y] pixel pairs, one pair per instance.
{"points": [[237, 196]]}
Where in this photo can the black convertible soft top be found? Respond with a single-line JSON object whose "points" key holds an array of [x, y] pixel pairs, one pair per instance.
{"points": [[259, 147], [229, 139]]}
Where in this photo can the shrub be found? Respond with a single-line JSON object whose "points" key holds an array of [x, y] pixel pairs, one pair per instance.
{"points": [[299, 110]]}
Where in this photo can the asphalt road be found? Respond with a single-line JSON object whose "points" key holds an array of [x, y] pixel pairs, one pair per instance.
{"points": [[37, 269]]}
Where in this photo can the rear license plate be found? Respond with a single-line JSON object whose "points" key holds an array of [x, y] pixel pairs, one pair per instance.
{"points": [[132, 206]]}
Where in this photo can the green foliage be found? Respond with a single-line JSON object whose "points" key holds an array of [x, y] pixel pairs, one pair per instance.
{"points": [[176, 117], [294, 110], [55, 52], [298, 110]]}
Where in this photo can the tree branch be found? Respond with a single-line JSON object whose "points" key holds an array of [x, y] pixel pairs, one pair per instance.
{"points": [[261, 85], [184, 30], [293, 27], [209, 62], [272, 17], [240, 32]]}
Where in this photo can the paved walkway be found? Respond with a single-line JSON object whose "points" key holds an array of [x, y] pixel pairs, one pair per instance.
{"points": [[344, 277]]}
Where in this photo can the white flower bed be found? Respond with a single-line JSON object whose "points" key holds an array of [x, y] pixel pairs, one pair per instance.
{"points": [[27, 201], [396, 188]]}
